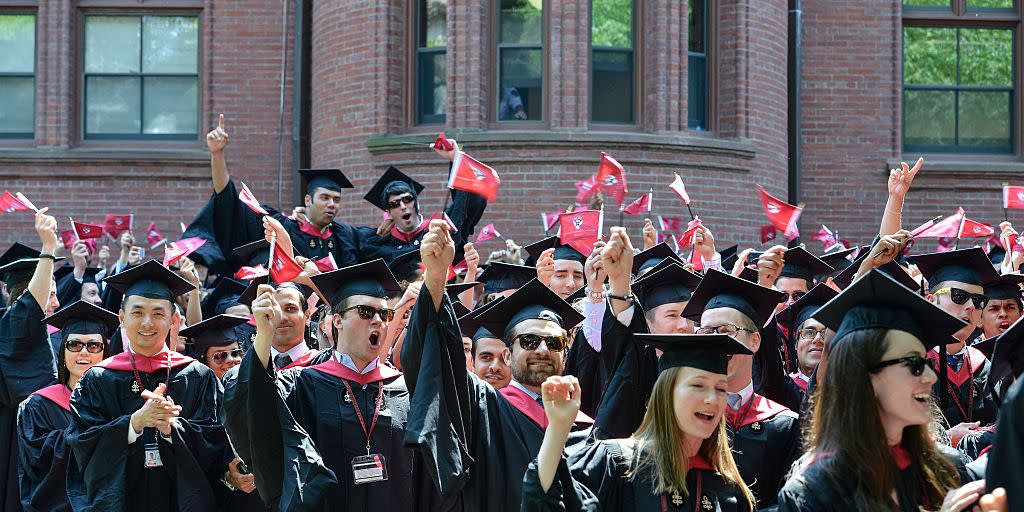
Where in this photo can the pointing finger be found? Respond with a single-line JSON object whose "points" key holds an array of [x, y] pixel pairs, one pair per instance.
{"points": [[220, 122]]}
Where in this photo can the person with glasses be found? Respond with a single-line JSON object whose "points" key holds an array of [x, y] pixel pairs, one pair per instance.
{"points": [[330, 436], [479, 440], [956, 282], [45, 415], [811, 336], [764, 435], [213, 342], [870, 446]]}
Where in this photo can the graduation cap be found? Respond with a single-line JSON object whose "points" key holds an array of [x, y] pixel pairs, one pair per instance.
{"points": [[532, 301], [562, 252], [83, 317], [721, 290], [644, 260], [577, 295], [392, 182], [729, 256], [217, 331], [996, 255], [372, 278], [500, 276], [840, 259], [455, 289], [330, 179], [223, 296], [671, 283], [748, 274], [969, 266], [258, 251], [1007, 356], [249, 294], [708, 352], [89, 276], [150, 280], [801, 264], [18, 263], [1007, 286], [405, 265], [470, 326], [798, 312], [893, 269], [876, 300]]}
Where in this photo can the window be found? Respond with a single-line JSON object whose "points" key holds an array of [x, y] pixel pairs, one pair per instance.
{"points": [[697, 66], [17, 75], [959, 87], [520, 60], [431, 80], [141, 77], [612, 41]]}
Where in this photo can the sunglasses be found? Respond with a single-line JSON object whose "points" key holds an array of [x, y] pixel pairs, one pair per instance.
{"points": [[220, 355], [960, 297], [406, 199], [92, 347], [916, 364], [795, 296], [532, 341], [368, 312]]}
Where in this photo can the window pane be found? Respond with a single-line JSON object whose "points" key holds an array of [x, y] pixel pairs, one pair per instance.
{"points": [[112, 105], [929, 56], [697, 104], [17, 43], [112, 44], [432, 84], [170, 105], [17, 110], [985, 120], [612, 87], [519, 90], [698, 40], [989, 4], [521, 21], [171, 44], [927, 3], [928, 118], [433, 19], [986, 57], [612, 23]]}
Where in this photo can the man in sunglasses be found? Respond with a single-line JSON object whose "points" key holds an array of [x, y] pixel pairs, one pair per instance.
{"points": [[479, 440], [956, 282]]}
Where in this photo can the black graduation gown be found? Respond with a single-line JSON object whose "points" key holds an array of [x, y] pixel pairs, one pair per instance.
{"points": [[977, 441], [27, 364], [629, 389], [477, 441], [595, 369], [813, 490], [765, 440], [43, 451], [967, 399], [110, 475], [300, 436], [595, 479], [1005, 467], [465, 211], [770, 375], [69, 289], [211, 254]]}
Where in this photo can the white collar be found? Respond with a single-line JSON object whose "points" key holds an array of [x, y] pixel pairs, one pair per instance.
{"points": [[745, 393], [299, 350], [346, 360], [800, 375], [522, 388]]}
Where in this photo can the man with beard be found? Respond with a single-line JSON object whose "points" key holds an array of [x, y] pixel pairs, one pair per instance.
{"points": [[1004, 304], [478, 441]]}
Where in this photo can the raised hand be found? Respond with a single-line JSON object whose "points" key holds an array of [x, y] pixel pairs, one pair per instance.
{"points": [[889, 247], [80, 257], [437, 250], [900, 179], [704, 243], [769, 265], [450, 155], [546, 266], [593, 269], [561, 396], [46, 228], [274, 230], [265, 309], [650, 234], [472, 258], [617, 255], [217, 139]]}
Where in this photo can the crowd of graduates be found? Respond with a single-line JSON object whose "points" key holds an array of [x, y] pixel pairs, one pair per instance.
{"points": [[286, 360]]}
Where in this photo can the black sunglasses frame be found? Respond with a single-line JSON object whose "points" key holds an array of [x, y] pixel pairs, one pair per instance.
{"points": [[532, 341], [916, 364]]}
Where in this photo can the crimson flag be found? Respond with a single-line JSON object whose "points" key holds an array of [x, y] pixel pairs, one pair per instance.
{"points": [[471, 175], [284, 268], [245, 196], [673, 225], [611, 176], [461, 267], [442, 143], [687, 238], [153, 236], [114, 225], [642, 204], [550, 219], [697, 260], [679, 189], [782, 215], [487, 233], [326, 264], [1013, 197], [585, 189], [950, 227], [975, 229], [69, 238], [86, 231], [447, 220], [250, 273], [767, 233], [181, 249], [580, 229], [9, 203]]}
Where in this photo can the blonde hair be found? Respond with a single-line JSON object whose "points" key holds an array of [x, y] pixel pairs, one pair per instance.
{"points": [[659, 441]]}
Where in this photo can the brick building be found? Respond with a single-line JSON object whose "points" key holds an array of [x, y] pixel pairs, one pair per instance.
{"points": [[106, 102]]}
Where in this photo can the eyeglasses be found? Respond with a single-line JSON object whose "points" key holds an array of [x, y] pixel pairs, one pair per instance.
{"points": [[810, 334], [220, 355], [916, 364], [795, 296], [960, 297], [532, 341], [368, 312], [92, 347], [406, 199], [727, 329]]}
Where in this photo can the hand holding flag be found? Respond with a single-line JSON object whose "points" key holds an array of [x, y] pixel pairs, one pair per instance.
{"points": [[471, 175]]}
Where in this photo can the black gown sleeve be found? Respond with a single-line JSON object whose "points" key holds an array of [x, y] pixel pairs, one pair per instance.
{"points": [[465, 211], [636, 369], [1004, 459], [69, 289], [204, 226], [564, 495], [594, 369], [43, 454], [27, 361]]}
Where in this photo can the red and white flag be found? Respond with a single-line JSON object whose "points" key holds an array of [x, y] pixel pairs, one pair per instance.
{"points": [[181, 249], [585, 189], [447, 220], [114, 225], [767, 233], [250, 273], [9, 203], [679, 189], [781, 214], [642, 204], [326, 264], [550, 219], [580, 229], [153, 236], [86, 231], [69, 238], [245, 196], [442, 143], [1013, 197], [487, 233], [673, 225], [471, 175], [954, 226], [283, 268], [461, 267], [611, 176], [686, 239], [975, 229]]}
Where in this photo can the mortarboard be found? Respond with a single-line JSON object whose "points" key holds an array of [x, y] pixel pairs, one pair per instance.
{"points": [[330, 179], [562, 252], [708, 352], [223, 296], [893, 269], [1007, 286], [968, 266], [500, 276], [996, 255], [801, 264], [455, 289], [83, 317], [729, 256], [372, 278], [665, 285], [532, 301], [253, 252], [88, 277], [721, 290], [839, 259], [249, 294], [216, 331], [18, 263], [798, 312], [470, 325], [150, 280], [1007, 356], [644, 260], [748, 274], [405, 265], [392, 182]]}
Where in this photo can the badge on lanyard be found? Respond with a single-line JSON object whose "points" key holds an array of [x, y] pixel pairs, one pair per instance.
{"points": [[153, 456], [370, 468]]}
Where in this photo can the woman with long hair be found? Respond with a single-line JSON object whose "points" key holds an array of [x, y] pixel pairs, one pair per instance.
{"points": [[679, 457], [43, 417], [869, 443]]}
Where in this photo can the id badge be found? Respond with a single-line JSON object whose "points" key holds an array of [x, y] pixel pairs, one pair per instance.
{"points": [[153, 456], [368, 469]]}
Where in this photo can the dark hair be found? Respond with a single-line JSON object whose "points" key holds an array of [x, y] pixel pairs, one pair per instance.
{"points": [[15, 291], [846, 429], [293, 286], [63, 374]]}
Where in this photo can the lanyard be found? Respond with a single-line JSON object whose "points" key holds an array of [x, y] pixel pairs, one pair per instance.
{"points": [[138, 379], [359, 414], [970, 389]]}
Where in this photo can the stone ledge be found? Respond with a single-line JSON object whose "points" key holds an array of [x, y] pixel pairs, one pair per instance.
{"points": [[196, 163], [960, 167]]}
